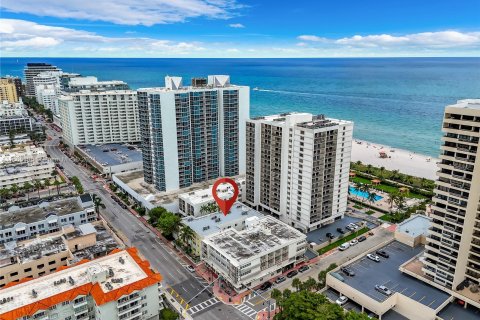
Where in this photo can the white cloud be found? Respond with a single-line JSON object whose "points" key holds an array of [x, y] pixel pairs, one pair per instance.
{"points": [[236, 25], [233, 50], [128, 12], [439, 39], [29, 36], [312, 38]]}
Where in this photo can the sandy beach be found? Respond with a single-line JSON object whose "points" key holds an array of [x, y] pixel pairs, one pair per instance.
{"points": [[397, 159]]}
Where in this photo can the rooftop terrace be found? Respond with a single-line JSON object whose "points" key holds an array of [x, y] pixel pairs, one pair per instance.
{"points": [[264, 235], [124, 271]]}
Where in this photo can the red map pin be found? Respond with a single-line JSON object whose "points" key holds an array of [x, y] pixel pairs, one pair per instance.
{"points": [[225, 204]]}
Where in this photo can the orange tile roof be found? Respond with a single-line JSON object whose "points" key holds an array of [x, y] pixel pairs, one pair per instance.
{"points": [[92, 289]]}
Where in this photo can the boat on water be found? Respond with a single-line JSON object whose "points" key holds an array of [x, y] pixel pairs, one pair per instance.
{"points": [[255, 89]]}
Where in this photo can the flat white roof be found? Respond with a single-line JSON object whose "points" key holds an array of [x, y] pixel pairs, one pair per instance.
{"points": [[45, 286], [415, 225], [467, 104], [224, 191]]}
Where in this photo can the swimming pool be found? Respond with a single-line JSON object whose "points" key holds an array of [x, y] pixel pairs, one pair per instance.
{"points": [[354, 191]]}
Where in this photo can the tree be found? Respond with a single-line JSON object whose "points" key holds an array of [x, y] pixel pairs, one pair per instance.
{"points": [[155, 214], [310, 284], [97, 203], [306, 305], [168, 223], [37, 184], [57, 184], [47, 184], [3, 194], [391, 199], [186, 234], [372, 197], [322, 276], [400, 201], [352, 315], [210, 207], [27, 187], [296, 283], [14, 190]]}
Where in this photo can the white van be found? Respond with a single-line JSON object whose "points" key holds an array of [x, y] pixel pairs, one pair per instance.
{"points": [[344, 246]]}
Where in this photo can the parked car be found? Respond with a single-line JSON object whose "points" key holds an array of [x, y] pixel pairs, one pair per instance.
{"points": [[344, 246], [353, 242], [383, 253], [349, 272], [292, 274], [373, 257], [190, 268], [280, 279], [265, 286], [340, 230], [354, 225], [361, 238], [383, 290], [329, 235], [303, 268], [341, 300]]}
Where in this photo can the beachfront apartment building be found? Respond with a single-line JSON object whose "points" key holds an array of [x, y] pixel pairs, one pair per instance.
{"points": [[120, 285], [18, 224], [78, 83], [99, 117], [24, 164], [194, 133], [8, 90], [263, 248], [297, 167], [452, 252], [32, 70]]}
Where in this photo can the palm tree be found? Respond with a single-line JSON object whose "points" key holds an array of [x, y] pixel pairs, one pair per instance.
{"points": [[57, 184], [38, 186], [186, 234], [391, 199], [372, 197], [369, 168], [366, 189], [296, 283], [322, 276], [27, 187], [310, 284], [382, 173], [14, 190], [97, 203], [400, 201], [47, 184], [394, 174]]}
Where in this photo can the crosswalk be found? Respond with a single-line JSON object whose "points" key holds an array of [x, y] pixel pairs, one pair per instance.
{"points": [[246, 309], [203, 305]]}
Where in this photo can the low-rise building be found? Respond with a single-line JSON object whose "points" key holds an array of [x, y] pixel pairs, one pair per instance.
{"points": [[8, 90], [112, 158], [14, 118], [19, 224], [245, 258], [200, 202], [24, 164], [118, 286], [206, 225], [45, 254]]}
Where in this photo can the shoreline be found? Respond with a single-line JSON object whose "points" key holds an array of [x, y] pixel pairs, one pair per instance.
{"points": [[404, 161]]}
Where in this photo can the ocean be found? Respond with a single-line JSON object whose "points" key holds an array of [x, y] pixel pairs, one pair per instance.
{"points": [[393, 101]]}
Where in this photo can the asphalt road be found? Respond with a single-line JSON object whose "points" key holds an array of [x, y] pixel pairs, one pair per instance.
{"points": [[172, 270]]}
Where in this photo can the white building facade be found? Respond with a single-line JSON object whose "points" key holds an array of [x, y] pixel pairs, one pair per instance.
{"points": [[99, 117], [265, 248], [297, 167], [24, 164], [192, 134]]}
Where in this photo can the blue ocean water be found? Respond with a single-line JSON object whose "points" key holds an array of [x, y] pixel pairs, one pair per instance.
{"points": [[396, 101]]}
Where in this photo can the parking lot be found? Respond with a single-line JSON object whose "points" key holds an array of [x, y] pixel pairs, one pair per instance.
{"points": [[454, 311], [320, 235], [369, 273]]}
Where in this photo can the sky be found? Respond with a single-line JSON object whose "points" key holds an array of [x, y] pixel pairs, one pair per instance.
{"points": [[239, 28]]}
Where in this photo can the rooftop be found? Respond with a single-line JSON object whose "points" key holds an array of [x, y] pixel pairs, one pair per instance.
{"points": [[39, 212], [454, 311], [99, 277], [175, 84], [112, 154], [31, 250], [104, 243], [135, 180], [467, 104], [415, 225], [260, 236], [369, 273], [211, 223], [200, 196]]}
